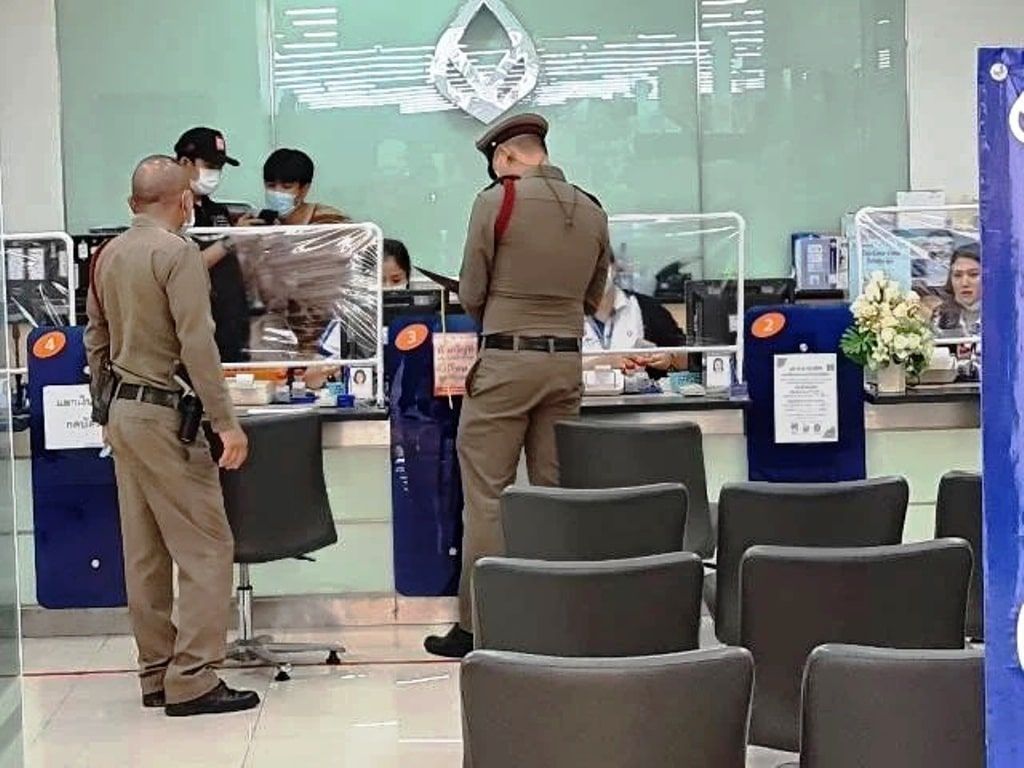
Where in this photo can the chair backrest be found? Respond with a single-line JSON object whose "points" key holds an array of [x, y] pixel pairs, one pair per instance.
{"points": [[657, 712], [958, 514], [593, 523], [637, 607], [277, 502], [882, 706], [795, 599], [862, 513], [606, 454]]}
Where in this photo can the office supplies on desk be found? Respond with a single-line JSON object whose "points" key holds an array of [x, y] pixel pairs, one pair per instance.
{"points": [[603, 381]]}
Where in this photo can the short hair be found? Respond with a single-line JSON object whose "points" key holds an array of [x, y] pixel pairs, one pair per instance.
{"points": [[396, 249], [527, 143], [288, 166]]}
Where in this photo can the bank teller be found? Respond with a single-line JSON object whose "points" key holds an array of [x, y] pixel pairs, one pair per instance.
{"points": [[396, 266], [625, 320], [960, 312]]}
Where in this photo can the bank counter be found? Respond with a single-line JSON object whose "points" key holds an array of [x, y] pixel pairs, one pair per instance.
{"points": [[921, 435]]}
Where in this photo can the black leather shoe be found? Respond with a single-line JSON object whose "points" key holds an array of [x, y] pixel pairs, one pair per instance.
{"points": [[456, 644], [218, 701], [154, 700]]}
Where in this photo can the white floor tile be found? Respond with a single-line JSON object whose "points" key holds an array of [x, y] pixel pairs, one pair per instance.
{"points": [[389, 705]]}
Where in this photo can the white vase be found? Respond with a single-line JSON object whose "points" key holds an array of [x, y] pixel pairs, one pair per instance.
{"points": [[891, 380]]}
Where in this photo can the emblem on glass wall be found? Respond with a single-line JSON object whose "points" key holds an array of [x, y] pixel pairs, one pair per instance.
{"points": [[485, 93]]}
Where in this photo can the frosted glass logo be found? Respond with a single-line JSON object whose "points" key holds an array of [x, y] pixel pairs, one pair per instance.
{"points": [[1016, 116]]}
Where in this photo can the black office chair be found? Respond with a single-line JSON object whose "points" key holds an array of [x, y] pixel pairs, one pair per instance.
{"points": [[883, 706], [593, 523], [637, 607], [596, 454], [657, 712], [278, 509], [862, 513], [958, 514], [795, 599]]}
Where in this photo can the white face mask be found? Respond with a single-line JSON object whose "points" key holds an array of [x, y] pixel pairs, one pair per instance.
{"points": [[207, 183], [281, 202]]}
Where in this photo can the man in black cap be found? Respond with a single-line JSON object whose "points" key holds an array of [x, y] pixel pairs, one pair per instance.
{"points": [[536, 258], [203, 152]]}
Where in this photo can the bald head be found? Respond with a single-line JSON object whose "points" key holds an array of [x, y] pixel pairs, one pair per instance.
{"points": [[160, 189], [514, 156]]}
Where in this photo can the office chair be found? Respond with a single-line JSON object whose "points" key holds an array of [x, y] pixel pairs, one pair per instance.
{"points": [[657, 711], [884, 706], [595, 454], [861, 513], [958, 514], [593, 523], [278, 509], [797, 598], [636, 607]]}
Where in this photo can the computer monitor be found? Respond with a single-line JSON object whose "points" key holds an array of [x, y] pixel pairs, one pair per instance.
{"points": [[711, 306]]}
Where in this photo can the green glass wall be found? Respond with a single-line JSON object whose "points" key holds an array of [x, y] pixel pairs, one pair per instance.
{"points": [[790, 112]]}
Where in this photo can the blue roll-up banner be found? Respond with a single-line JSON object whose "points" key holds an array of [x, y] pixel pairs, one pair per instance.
{"points": [[74, 496], [426, 485], [1001, 153]]}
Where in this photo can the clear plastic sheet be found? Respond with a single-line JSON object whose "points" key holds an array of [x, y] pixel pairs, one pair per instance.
{"points": [[40, 286], [313, 292], [692, 263], [916, 247]]}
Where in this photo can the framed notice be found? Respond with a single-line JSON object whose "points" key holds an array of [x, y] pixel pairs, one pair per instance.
{"points": [[806, 399], [67, 418], [454, 355]]}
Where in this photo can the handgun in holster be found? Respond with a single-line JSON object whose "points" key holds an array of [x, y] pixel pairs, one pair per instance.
{"points": [[190, 408]]}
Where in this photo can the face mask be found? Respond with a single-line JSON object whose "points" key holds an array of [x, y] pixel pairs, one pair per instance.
{"points": [[207, 183], [281, 202]]}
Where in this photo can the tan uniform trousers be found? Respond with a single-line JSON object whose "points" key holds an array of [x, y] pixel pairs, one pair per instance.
{"points": [[513, 401], [172, 509]]}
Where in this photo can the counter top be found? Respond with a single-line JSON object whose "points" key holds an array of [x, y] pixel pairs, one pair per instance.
{"points": [[963, 392], [600, 404], [357, 413]]}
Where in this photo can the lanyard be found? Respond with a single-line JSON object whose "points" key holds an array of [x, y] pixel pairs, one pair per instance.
{"points": [[604, 335]]}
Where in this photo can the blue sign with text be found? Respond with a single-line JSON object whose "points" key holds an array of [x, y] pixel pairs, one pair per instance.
{"points": [[1001, 154]]}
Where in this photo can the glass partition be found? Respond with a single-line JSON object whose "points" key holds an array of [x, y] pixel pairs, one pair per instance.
{"points": [[11, 726], [936, 252]]}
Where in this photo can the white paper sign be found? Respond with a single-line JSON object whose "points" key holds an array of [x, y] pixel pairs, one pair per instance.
{"points": [[67, 418], [806, 399]]}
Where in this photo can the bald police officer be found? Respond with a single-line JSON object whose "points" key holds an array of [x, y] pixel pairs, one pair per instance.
{"points": [[149, 311], [536, 259]]}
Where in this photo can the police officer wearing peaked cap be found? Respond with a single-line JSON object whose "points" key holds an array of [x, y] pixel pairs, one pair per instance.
{"points": [[536, 258]]}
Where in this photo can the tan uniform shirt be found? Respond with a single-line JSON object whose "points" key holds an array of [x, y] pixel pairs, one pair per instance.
{"points": [[544, 275], [155, 294]]}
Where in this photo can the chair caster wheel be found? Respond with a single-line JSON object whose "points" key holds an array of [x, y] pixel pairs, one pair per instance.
{"points": [[333, 660]]}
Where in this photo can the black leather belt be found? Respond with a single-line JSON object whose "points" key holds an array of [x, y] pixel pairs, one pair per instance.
{"points": [[512, 343], [150, 395]]}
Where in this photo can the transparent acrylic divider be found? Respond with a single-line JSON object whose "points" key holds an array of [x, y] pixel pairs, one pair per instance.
{"points": [[315, 292], [687, 260], [40, 278], [915, 247]]}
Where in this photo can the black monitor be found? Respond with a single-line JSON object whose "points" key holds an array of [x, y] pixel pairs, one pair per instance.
{"points": [[417, 301], [711, 306]]}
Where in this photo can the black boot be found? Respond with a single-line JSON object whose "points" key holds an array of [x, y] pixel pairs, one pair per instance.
{"points": [[218, 701], [456, 644]]}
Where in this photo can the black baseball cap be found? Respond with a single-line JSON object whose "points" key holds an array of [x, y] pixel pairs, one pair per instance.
{"points": [[204, 144]]}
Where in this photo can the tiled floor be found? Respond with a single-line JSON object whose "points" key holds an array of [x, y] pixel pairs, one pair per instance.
{"points": [[388, 705]]}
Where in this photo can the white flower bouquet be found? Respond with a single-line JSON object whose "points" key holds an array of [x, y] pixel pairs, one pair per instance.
{"points": [[889, 328]]}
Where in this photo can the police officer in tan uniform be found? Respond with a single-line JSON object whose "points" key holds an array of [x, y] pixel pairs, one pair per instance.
{"points": [[149, 311], [536, 259]]}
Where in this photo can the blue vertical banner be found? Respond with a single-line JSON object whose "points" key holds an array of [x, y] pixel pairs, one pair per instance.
{"points": [[1001, 157]]}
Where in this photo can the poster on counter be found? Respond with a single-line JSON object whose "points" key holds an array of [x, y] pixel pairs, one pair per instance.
{"points": [[454, 355], [67, 418], [806, 399], [1001, 153]]}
